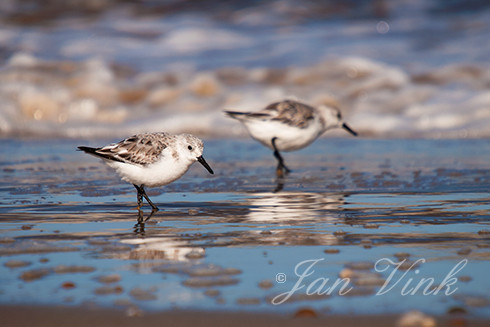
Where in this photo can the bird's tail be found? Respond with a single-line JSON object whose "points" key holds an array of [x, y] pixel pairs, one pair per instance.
{"points": [[235, 114], [244, 115], [100, 154], [88, 150], [93, 152]]}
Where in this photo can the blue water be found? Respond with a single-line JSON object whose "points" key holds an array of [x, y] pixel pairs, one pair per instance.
{"points": [[369, 199]]}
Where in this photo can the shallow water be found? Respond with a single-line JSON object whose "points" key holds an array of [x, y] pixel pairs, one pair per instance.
{"points": [[352, 208]]}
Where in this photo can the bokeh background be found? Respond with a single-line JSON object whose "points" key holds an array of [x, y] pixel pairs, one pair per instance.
{"points": [[108, 68]]}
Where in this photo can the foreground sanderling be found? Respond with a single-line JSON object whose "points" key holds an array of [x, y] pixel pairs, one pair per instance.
{"points": [[289, 125], [151, 159]]}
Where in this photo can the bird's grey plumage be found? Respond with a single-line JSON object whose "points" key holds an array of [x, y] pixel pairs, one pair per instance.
{"points": [[141, 149], [288, 112]]}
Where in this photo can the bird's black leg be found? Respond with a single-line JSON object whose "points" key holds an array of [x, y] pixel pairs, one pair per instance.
{"points": [[153, 206], [139, 228], [281, 167], [139, 196]]}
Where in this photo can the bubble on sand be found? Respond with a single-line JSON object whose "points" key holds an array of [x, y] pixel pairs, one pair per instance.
{"points": [[361, 265], [108, 279], [368, 280], [407, 264], [212, 292], [210, 281], [415, 319], [402, 255], [464, 251], [474, 300], [465, 279], [143, 294], [134, 311], [34, 274], [106, 290], [196, 270], [266, 284], [61, 269], [16, 263], [248, 301], [68, 285], [305, 313]]}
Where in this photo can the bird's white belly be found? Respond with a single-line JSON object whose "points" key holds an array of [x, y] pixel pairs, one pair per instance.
{"points": [[158, 174], [288, 138]]}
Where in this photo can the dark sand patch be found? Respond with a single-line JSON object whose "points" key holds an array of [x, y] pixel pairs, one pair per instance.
{"points": [[26, 316]]}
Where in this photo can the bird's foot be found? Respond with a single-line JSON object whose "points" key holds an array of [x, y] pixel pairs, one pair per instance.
{"points": [[282, 171], [279, 172]]}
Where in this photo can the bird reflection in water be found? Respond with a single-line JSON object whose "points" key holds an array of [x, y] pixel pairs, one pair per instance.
{"points": [[294, 206]]}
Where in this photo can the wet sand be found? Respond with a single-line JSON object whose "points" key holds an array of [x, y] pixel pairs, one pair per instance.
{"points": [[66, 316], [229, 246]]}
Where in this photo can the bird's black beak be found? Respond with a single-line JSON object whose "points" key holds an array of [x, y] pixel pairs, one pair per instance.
{"points": [[205, 164], [348, 129]]}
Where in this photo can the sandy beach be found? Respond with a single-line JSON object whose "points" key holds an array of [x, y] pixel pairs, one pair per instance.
{"points": [[63, 316]]}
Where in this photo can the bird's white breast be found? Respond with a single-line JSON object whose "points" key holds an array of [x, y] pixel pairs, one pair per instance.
{"points": [[289, 138], [163, 172]]}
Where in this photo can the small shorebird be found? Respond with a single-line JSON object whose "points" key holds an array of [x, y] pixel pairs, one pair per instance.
{"points": [[151, 159], [289, 125]]}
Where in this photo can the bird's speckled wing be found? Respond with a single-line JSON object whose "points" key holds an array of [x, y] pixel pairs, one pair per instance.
{"points": [[142, 149], [292, 113], [288, 112]]}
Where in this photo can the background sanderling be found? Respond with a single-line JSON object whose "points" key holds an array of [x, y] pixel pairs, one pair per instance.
{"points": [[289, 125]]}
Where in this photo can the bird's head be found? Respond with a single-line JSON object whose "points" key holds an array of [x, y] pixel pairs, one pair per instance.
{"points": [[332, 118], [192, 148]]}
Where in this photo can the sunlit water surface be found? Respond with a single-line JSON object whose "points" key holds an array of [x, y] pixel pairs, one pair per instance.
{"points": [[386, 214]]}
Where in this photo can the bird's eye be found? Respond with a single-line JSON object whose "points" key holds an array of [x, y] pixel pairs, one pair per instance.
{"points": [[339, 116], [189, 147]]}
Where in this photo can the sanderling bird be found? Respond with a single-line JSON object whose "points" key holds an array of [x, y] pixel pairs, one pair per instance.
{"points": [[151, 159], [289, 125]]}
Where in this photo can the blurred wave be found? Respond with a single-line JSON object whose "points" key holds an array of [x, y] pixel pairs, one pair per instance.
{"points": [[107, 68]]}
